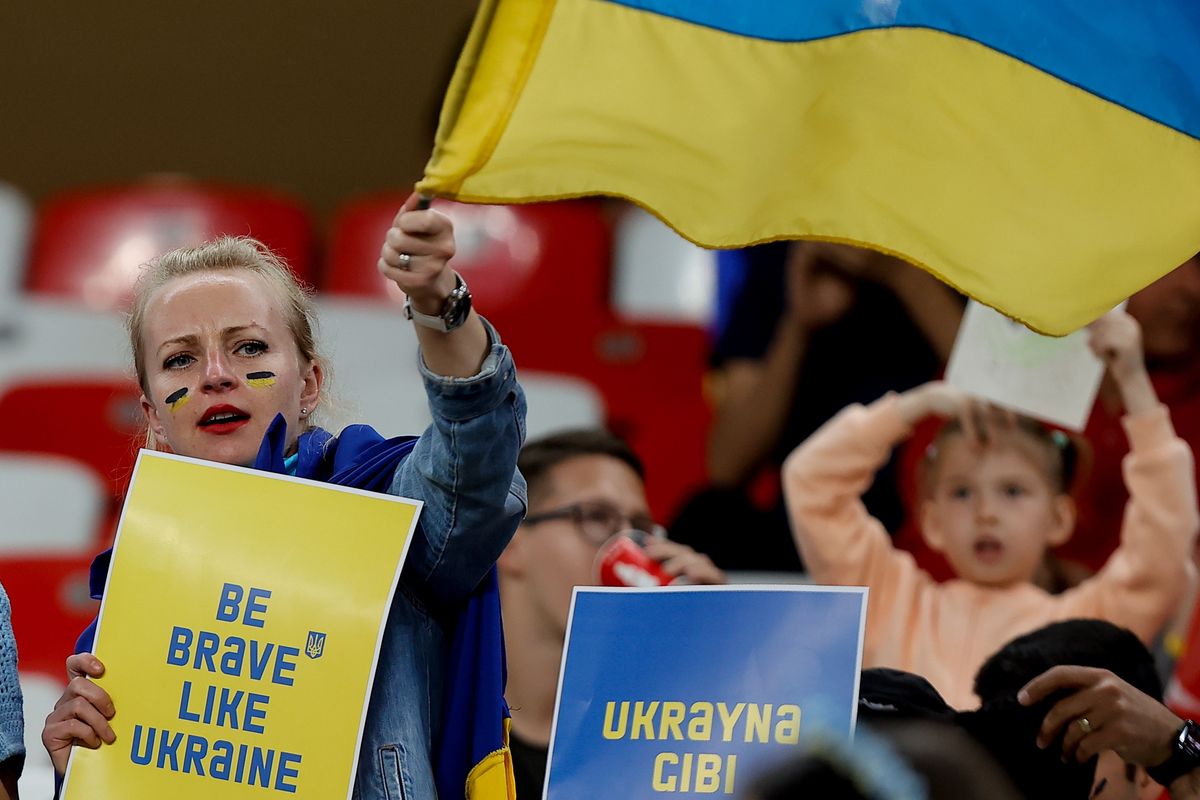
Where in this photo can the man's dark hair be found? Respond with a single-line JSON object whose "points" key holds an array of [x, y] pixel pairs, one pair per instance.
{"points": [[1078, 642], [1009, 730], [542, 455], [891, 694]]}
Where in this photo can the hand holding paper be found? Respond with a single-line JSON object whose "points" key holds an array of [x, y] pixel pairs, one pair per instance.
{"points": [[81, 715], [1116, 339], [217, 637], [979, 419]]}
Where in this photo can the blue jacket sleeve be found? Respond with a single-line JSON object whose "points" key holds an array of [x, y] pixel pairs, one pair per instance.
{"points": [[464, 468]]}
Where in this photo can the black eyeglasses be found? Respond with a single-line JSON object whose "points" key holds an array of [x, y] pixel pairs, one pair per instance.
{"points": [[599, 522]]}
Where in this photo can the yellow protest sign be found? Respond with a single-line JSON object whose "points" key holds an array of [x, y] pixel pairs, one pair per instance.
{"points": [[240, 629]]}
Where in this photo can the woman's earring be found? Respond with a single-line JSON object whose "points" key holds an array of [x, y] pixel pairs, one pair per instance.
{"points": [[304, 412]]}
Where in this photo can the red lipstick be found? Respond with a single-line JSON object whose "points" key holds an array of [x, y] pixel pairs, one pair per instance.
{"points": [[223, 419]]}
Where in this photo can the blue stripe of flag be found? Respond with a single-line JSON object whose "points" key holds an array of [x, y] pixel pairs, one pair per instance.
{"points": [[1140, 54]]}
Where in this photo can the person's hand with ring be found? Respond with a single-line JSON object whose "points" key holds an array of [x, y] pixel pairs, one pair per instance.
{"points": [[1102, 712], [415, 252]]}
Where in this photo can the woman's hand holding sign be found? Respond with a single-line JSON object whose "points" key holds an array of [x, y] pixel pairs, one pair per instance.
{"points": [[81, 715]]}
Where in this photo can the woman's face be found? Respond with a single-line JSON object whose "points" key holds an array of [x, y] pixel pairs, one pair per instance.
{"points": [[221, 362]]}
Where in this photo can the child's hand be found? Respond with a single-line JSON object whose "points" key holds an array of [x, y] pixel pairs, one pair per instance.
{"points": [[980, 420], [936, 398], [1116, 339]]}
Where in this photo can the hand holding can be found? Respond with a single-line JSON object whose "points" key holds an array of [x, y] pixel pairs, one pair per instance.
{"points": [[637, 558], [622, 561]]}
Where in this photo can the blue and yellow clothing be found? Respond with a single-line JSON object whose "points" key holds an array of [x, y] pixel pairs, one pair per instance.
{"points": [[436, 724]]}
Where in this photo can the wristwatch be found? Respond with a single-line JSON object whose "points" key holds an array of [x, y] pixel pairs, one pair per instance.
{"points": [[454, 310], [1184, 758]]}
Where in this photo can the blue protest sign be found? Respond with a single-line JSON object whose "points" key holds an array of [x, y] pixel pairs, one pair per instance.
{"points": [[691, 690]]}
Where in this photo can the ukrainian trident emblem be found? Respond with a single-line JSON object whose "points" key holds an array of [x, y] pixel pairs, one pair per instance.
{"points": [[315, 647]]}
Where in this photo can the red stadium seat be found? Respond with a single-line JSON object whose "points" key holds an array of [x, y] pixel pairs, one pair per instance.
{"points": [[51, 605], [89, 244], [651, 380], [91, 420], [51, 504]]}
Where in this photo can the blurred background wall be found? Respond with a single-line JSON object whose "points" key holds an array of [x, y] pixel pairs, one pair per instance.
{"points": [[320, 99]]}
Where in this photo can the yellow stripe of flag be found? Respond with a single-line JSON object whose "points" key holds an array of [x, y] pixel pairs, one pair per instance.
{"points": [[1020, 189]]}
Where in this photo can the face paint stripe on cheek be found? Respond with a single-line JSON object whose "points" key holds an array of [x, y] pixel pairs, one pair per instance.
{"points": [[178, 399], [261, 380]]}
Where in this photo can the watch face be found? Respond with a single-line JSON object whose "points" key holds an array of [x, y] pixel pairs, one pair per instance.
{"points": [[454, 311], [1185, 756], [458, 306], [1189, 740]]}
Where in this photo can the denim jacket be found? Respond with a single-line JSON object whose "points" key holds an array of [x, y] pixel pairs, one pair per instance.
{"points": [[464, 469], [12, 720]]}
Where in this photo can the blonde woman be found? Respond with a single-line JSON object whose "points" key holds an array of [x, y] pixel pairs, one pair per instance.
{"points": [[223, 345]]}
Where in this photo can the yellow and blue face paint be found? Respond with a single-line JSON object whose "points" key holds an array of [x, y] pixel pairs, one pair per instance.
{"points": [[261, 380], [178, 399]]}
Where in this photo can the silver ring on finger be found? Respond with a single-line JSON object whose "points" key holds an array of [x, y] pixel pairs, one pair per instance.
{"points": [[405, 261], [1084, 724]]}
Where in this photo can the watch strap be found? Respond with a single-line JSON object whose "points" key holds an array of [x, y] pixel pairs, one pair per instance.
{"points": [[454, 311], [1184, 758]]}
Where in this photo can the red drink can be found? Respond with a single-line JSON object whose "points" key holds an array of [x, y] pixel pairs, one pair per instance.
{"points": [[621, 561]]}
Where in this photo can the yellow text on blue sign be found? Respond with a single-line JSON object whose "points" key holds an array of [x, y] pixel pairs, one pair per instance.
{"points": [[672, 720]]}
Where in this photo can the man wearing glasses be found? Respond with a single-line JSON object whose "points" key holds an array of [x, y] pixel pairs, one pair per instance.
{"points": [[584, 488]]}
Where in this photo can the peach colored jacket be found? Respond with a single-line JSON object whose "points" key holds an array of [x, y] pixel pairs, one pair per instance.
{"points": [[946, 631]]}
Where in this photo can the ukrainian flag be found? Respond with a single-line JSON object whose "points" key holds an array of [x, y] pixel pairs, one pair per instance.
{"points": [[1043, 156]]}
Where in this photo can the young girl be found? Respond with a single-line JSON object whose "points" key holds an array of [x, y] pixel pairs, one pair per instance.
{"points": [[996, 499], [207, 323]]}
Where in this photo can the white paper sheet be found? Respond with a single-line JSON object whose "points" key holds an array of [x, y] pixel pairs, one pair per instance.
{"points": [[1052, 378]]}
